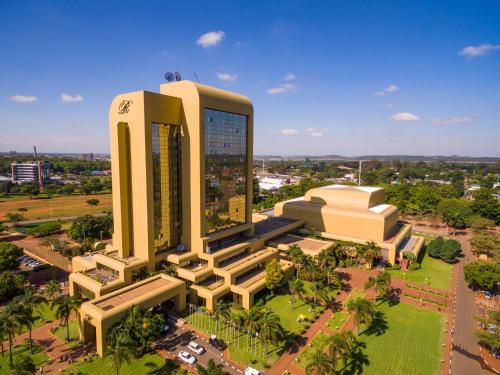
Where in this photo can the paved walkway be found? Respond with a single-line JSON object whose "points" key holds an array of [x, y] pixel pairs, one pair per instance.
{"points": [[355, 279], [53, 346]]}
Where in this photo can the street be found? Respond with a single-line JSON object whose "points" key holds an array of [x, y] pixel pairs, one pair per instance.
{"points": [[178, 339]]}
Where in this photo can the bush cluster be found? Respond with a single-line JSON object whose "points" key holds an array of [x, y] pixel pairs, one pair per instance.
{"points": [[447, 250]]}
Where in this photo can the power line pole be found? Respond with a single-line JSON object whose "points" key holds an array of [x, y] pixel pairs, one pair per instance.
{"points": [[359, 173]]}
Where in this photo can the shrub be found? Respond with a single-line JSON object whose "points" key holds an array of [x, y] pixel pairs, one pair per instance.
{"points": [[45, 229], [414, 266], [396, 267], [434, 247]]}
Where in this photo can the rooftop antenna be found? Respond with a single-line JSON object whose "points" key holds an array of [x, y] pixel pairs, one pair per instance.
{"points": [[196, 77]]}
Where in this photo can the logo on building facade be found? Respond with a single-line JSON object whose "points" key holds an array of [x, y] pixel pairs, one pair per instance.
{"points": [[124, 106]]}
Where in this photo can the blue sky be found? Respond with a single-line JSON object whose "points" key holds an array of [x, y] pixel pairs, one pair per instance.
{"points": [[336, 77]]}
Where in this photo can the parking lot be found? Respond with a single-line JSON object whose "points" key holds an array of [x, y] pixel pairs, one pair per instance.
{"points": [[178, 339]]}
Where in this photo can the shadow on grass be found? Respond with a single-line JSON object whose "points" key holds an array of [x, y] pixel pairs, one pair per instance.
{"points": [[379, 325], [169, 368], [357, 360]]}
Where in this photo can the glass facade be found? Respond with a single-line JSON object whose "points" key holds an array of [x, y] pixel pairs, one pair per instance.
{"points": [[166, 147], [225, 169]]}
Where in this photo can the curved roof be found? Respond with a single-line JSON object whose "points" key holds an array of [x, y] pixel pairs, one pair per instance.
{"points": [[346, 196]]}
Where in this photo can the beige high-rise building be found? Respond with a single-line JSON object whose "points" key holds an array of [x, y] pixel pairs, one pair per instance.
{"points": [[182, 197]]}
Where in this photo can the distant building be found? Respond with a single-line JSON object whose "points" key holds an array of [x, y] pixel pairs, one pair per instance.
{"points": [[88, 156], [37, 172], [12, 153]]}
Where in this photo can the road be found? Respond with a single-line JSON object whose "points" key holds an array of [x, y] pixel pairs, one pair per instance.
{"points": [[465, 351], [180, 337]]}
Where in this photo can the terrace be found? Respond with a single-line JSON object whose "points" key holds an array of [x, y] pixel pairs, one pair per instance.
{"points": [[101, 275], [310, 246]]}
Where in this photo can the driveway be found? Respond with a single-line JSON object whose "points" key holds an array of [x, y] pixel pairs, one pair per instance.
{"points": [[179, 338]]}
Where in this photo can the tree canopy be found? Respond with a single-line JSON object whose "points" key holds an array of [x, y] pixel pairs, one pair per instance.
{"points": [[482, 274]]}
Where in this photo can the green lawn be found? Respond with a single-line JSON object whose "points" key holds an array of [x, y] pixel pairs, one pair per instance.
{"points": [[39, 357], [281, 305], [337, 320], [355, 293], [332, 293], [318, 342], [148, 364], [24, 228], [433, 272], [411, 344], [74, 334]]}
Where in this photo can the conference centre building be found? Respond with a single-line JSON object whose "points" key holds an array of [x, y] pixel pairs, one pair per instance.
{"points": [[182, 199]]}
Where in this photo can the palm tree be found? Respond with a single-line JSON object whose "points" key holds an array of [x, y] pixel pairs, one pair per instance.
{"points": [[363, 311], [76, 302], [63, 306], [321, 363], [12, 320], [296, 255], [270, 329], [223, 310], [121, 352], [92, 203], [29, 300], [372, 251], [326, 259], [23, 366], [52, 290], [382, 284], [296, 287], [333, 278], [212, 369], [251, 320], [319, 292], [339, 346], [3, 330]]}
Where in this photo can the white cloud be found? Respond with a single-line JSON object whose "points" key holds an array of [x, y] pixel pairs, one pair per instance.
{"points": [[66, 98], [286, 87], [315, 132], [480, 50], [389, 105], [226, 77], [23, 98], [404, 116], [388, 89], [451, 121], [289, 132], [289, 77], [211, 39]]}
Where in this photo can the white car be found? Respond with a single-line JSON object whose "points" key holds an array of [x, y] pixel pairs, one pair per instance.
{"points": [[194, 347], [252, 371], [187, 358]]}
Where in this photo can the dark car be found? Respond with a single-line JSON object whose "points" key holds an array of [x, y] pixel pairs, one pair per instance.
{"points": [[217, 343]]}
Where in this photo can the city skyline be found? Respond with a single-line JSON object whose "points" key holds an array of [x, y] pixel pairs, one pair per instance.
{"points": [[350, 79]]}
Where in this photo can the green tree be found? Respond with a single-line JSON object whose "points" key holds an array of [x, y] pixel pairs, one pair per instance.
{"points": [[30, 190], [434, 247], [89, 226], [14, 217], [320, 364], [9, 256], [63, 307], [11, 285], [372, 252], [450, 250], [24, 365], [296, 287], [122, 351], [382, 283], [52, 290], [29, 301], [319, 292], [456, 213], [363, 310], [482, 274], [270, 329], [93, 203], [486, 205], [274, 275], [489, 244], [340, 346], [212, 368], [480, 224], [490, 337], [13, 320], [45, 229]]}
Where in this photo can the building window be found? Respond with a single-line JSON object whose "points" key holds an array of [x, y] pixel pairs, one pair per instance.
{"points": [[166, 160], [225, 169]]}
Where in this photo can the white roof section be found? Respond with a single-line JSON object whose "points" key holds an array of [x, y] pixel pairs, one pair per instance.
{"points": [[380, 208], [367, 189]]}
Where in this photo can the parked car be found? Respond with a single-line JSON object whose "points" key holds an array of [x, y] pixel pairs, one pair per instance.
{"points": [[196, 348], [496, 354], [166, 328], [252, 371], [187, 358], [217, 343]]}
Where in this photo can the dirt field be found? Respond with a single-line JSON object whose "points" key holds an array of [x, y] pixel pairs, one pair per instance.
{"points": [[53, 208]]}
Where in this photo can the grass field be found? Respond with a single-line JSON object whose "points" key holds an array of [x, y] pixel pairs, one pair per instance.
{"points": [[337, 320], [74, 333], [433, 272], [51, 208], [411, 345], [355, 293], [281, 305], [24, 228], [39, 357], [148, 364], [318, 342]]}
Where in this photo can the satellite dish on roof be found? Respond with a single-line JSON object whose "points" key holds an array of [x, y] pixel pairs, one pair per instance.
{"points": [[178, 76], [169, 76]]}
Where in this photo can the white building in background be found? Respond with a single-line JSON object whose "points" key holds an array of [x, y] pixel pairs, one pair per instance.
{"points": [[36, 172], [274, 182]]}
